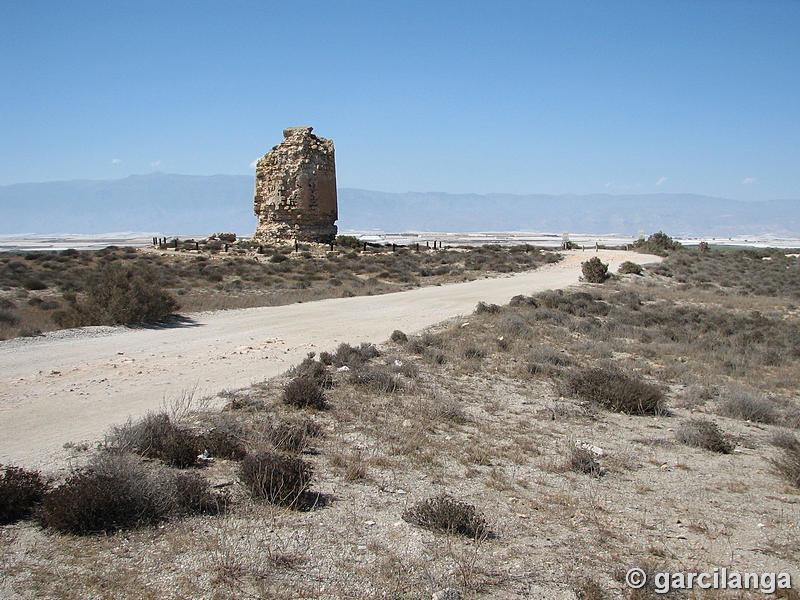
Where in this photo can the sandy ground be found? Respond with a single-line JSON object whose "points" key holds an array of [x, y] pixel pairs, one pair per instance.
{"points": [[72, 386]]}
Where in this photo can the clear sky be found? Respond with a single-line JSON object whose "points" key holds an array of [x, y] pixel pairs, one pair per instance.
{"points": [[642, 96]]}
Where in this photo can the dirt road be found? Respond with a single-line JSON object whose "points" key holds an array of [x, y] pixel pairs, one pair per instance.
{"points": [[72, 386]]}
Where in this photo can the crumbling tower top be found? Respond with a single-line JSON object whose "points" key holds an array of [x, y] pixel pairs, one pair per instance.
{"points": [[295, 191]]}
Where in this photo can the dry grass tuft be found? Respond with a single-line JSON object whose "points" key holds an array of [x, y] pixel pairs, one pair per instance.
{"points": [[741, 403], [615, 390], [703, 433], [449, 515], [305, 392], [277, 478]]}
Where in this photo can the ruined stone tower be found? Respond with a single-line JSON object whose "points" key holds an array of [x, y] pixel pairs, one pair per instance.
{"points": [[295, 196]]}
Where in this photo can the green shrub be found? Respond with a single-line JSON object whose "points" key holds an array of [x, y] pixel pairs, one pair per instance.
{"points": [[277, 478], [659, 243], [304, 392], [20, 491], [703, 433], [629, 268], [349, 241], [594, 270], [119, 295], [614, 390], [446, 514]]}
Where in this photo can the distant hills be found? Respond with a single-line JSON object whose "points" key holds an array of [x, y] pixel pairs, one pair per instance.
{"points": [[188, 204]]}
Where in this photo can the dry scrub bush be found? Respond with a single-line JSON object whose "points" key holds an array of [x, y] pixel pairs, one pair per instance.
{"points": [[594, 270], [353, 357], [8, 317], [629, 268], [589, 589], [703, 433], [277, 478], [582, 460], [20, 491], [787, 463], [117, 492], [377, 379], [398, 337], [615, 390], [483, 308], [292, 436], [743, 272], [784, 439], [156, 436], [305, 392], [193, 495], [546, 362], [119, 294], [446, 514], [314, 369], [225, 440], [741, 403]]}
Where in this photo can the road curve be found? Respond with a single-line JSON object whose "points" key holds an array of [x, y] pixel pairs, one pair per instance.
{"points": [[72, 386]]}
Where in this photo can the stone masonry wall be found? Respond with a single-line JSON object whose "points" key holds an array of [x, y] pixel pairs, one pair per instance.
{"points": [[295, 192]]}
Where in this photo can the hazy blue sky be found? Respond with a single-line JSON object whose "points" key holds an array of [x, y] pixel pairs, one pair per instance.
{"points": [[521, 97]]}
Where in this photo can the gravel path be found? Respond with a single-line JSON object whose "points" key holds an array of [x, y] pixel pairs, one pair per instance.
{"points": [[71, 386]]}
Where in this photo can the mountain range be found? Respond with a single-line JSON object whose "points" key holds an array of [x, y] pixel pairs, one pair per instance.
{"points": [[192, 204]]}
